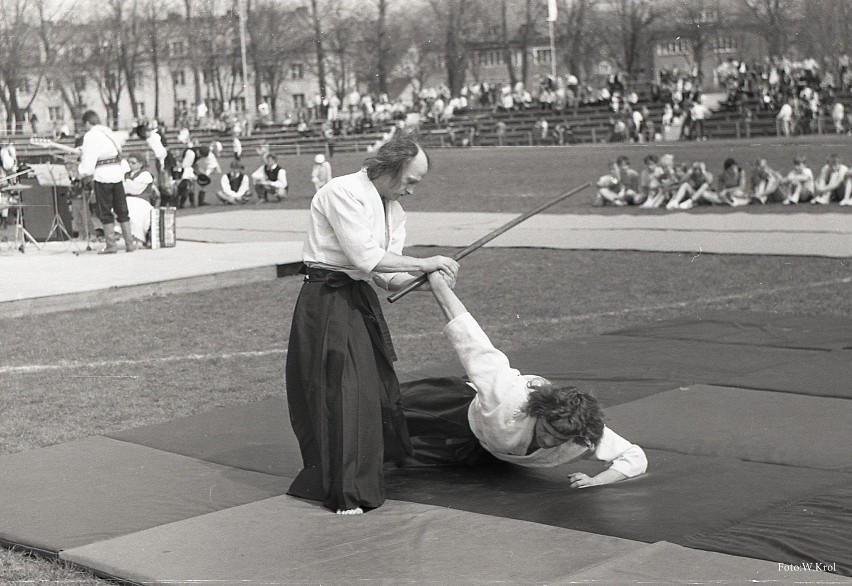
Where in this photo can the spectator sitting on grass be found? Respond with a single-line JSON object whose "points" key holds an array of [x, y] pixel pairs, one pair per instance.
{"points": [[799, 183], [832, 183], [650, 185], [621, 187], [696, 182], [731, 189], [766, 183]]}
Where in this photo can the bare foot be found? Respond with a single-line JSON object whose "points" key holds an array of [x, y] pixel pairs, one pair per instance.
{"points": [[355, 511]]}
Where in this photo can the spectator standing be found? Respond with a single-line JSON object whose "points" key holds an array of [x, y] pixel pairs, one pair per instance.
{"points": [[785, 118], [698, 113], [321, 172]]}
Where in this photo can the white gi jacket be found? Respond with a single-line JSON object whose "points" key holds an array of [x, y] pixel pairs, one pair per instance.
{"points": [[496, 415], [352, 227]]}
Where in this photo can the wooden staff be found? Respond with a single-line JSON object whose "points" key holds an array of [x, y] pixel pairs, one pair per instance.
{"points": [[488, 238]]}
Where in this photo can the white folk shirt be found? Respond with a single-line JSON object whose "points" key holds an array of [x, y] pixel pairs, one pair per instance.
{"points": [[137, 185], [101, 143], [496, 414], [225, 183], [352, 227]]}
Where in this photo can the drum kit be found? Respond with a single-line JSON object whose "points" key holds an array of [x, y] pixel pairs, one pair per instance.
{"points": [[10, 198]]}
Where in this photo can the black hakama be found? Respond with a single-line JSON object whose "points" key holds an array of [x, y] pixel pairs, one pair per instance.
{"points": [[436, 411], [343, 393]]}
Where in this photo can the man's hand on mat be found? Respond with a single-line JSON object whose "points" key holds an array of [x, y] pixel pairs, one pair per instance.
{"points": [[580, 480], [355, 511], [608, 476]]}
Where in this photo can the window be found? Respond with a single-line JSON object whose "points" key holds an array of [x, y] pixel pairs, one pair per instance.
{"points": [[297, 71], [49, 84], [676, 47], [179, 78], [80, 82], [239, 104], [177, 48], [180, 106], [140, 108], [24, 85], [55, 113], [207, 76], [298, 100], [542, 56]]}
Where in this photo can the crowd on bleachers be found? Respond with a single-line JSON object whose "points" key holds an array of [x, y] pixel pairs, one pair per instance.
{"points": [[800, 92], [663, 183]]}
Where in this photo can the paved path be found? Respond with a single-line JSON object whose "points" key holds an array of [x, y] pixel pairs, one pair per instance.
{"points": [[229, 248]]}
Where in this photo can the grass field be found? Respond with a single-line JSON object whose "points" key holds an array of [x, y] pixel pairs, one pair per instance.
{"points": [[514, 179], [80, 373]]}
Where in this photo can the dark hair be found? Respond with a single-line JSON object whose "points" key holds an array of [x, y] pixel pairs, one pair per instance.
{"points": [[569, 410], [91, 117], [391, 156], [730, 163], [650, 158], [271, 156], [622, 159]]}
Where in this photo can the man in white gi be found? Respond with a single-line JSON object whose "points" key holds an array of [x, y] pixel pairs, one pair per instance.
{"points": [[100, 162], [522, 419], [342, 390]]}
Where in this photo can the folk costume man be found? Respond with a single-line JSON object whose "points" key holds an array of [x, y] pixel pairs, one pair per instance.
{"points": [[342, 389], [100, 162], [235, 185], [270, 180]]}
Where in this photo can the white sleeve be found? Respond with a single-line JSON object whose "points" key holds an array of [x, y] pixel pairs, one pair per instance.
{"points": [[627, 458], [88, 156], [244, 187], [226, 186], [486, 366], [259, 174], [155, 143]]}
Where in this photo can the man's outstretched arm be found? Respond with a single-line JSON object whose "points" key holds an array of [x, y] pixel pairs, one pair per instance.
{"points": [[450, 304]]}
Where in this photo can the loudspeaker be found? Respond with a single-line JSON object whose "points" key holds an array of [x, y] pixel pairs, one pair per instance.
{"points": [[38, 219]]}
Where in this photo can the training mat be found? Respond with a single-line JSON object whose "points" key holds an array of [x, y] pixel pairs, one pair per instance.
{"points": [[680, 494], [95, 488], [667, 563], [753, 329], [286, 540], [684, 362], [816, 529], [758, 426], [256, 436]]}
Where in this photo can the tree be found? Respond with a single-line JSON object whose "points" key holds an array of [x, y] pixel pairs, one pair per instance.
{"points": [[826, 28], [631, 21], [576, 34], [19, 56], [453, 16], [773, 19], [700, 22], [505, 43], [153, 42], [318, 45], [274, 34]]}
